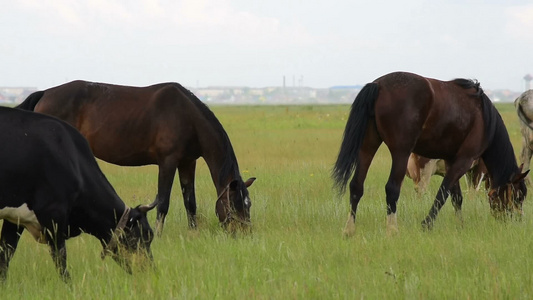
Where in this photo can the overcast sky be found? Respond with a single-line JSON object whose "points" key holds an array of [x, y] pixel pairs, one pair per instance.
{"points": [[255, 43]]}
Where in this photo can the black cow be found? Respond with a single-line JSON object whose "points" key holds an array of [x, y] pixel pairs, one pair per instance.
{"points": [[51, 185]]}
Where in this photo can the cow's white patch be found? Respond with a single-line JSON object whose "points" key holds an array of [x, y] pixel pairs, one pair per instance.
{"points": [[23, 216]]}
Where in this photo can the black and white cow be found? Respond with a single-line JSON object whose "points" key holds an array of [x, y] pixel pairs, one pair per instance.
{"points": [[51, 185]]}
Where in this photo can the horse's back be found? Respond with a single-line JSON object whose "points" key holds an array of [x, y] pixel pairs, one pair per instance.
{"points": [[415, 110], [123, 123]]}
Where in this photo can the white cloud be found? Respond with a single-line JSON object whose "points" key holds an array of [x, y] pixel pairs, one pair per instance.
{"points": [[188, 21], [520, 21]]}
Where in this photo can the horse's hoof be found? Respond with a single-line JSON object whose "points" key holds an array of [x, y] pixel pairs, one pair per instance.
{"points": [[392, 231], [348, 232], [349, 228]]}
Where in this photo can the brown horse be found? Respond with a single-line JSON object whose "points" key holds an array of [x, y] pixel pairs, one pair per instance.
{"points": [[163, 124], [452, 120]]}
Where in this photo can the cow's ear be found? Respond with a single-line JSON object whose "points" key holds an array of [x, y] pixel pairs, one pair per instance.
{"points": [[146, 208]]}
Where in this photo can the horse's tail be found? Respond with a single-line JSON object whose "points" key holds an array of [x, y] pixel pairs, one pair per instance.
{"points": [[31, 101], [354, 133]]}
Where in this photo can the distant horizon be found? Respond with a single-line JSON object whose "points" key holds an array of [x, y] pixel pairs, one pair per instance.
{"points": [[240, 86]]}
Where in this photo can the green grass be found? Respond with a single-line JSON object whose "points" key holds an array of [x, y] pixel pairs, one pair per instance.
{"points": [[296, 249]]}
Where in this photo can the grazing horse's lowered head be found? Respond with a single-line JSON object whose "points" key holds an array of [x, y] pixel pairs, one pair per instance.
{"points": [[507, 199], [233, 205], [163, 124]]}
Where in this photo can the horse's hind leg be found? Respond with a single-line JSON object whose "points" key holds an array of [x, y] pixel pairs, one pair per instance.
{"points": [[167, 171], [368, 149], [186, 174], [393, 186]]}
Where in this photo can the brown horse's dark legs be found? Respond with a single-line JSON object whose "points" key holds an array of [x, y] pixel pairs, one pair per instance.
{"points": [[393, 186], [356, 192], [186, 175], [167, 171], [457, 197], [449, 185], [366, 154], [442, 195]]}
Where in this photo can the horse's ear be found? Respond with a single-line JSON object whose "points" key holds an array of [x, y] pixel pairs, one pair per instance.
{"points": [[249, 181], [520, 176]]}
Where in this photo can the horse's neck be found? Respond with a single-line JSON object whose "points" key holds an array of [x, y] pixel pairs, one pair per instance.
{"points": [[500, 162], [220, 159]]}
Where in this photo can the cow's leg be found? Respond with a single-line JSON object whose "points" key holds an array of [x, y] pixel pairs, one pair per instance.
{"points": [[9, 239], [54, 230], [58, 251], [167, 171], [186, 174]]}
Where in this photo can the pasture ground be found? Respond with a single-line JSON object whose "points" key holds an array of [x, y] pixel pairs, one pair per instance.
{"points": [[296, 249]]}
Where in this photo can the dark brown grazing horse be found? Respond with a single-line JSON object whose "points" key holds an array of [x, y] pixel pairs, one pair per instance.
{"points": [[452, 120], [163, 124]]}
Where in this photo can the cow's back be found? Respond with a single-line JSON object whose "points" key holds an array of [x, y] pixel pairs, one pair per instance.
{"points": [[40, 155]]}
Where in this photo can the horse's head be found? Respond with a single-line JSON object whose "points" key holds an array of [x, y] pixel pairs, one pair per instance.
{"points": [[233, 204], [508, 198]]}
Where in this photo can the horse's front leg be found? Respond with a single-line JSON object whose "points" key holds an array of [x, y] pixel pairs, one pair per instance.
{"points": [[457, 200], [9, 239], [187, 172], [450, 184], [440, 199]]}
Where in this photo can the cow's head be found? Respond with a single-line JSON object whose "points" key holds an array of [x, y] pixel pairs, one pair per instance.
{"points": [[132, 235], [233, 205]]}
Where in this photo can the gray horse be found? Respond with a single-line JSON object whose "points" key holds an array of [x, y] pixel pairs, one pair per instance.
{"points": [[524, 109]]}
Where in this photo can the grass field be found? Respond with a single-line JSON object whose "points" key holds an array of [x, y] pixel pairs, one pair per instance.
{"points": [[296, 249]]}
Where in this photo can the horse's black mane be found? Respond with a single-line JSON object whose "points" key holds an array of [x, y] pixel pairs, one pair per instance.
{"points": [[230, 167], [499, 155]]}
